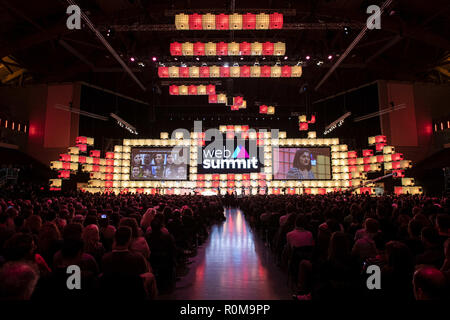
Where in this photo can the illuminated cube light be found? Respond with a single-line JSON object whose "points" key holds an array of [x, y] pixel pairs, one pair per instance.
{"points": [[173, 72], [286, 71], [163, 72], [257, 49], [255, 71], [279, 48], [267, 48], [210, 49], [221, 98], [214, 72], [262, 21], [222, 22], [311, 135], [263, 109], [233, 49], [195, 22], [222, 48], [175, 49], [173, 90], [209, 21], [235, 21], [235, 72], [212, 98], [183, 90], [201, 89], [210, 89], [303, 126], [182, 21], [204, 72], [296, 71], [192, 90], [194, 72], [234, 108], [199, 49], [183, 72], [266, 71], [270, 110], [244, 71], [249, 21], [224, 72], [187, 48], [275, 72], [245, 48], [276, 21]]}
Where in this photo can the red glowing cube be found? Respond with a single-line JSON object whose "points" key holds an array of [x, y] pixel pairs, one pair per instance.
{"points": [[212, 98], [267, 48], [245, 48], [163, 72], [397, 157], [379, 146], [313, 119], [265, 71], [352, 154], [175, 49], [204, 72], [225, 72], [303, 126], [109, 176], [238, 101], [174, 90], [211, 89], [222, 22], [183, 72], [275, 21], [199, 49], [64, 157], [222, 49], [109, 162], [245, 71], [263, 109], [234, 108], [380, 139], [286, 71], [109, 155], [95, 153], [352, 161], [192, 89], [367, 152], [195, 21], [249, 21], [200, 177]]}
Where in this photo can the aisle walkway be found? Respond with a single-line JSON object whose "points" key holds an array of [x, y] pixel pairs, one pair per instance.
{"points": [[233, 264]]}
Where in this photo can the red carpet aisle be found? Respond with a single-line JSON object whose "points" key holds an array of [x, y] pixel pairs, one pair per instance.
{"points": [[233, 264]]}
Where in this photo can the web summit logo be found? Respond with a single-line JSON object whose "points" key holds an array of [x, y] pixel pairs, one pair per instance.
{"points": [[223, 159]]}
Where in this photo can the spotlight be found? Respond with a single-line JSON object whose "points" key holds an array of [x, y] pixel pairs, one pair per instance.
{"points": [[219, 58], [141, 64], [132, 59], [176, 59], [285, 57], [242, 58], [154, 59], [197, 58], [319, 63], [264, 58], [308, 57], [225, 64], [330, 57]]}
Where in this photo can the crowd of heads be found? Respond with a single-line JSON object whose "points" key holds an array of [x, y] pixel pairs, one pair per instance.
{"points": [[125, 245], [327, 242]]}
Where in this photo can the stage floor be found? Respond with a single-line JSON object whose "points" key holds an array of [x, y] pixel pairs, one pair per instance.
{"points": [[232, 264]]}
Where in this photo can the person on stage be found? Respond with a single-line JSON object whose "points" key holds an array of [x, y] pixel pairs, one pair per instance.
{"points": [[301, 166]]}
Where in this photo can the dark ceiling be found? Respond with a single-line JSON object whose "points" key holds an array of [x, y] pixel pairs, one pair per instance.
{"points": [[412, 45]]}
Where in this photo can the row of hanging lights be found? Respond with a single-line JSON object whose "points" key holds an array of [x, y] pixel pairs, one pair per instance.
{"points": [[228, 49], [235, 21], [255, 71], [175, 90]]}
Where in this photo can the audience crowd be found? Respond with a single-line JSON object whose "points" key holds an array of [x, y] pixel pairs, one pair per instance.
{"points": [[327, 243], [127, 246], [132, 245]]}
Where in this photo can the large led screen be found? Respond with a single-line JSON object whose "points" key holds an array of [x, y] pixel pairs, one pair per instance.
{"points": [[230, 156], [302, 163], [159, 163]]}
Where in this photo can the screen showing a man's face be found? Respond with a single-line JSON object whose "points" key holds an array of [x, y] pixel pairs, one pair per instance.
{"points": [[159, 163]]}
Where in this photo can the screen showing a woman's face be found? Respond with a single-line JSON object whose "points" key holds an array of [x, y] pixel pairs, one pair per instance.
{"points": [[305, 158]]}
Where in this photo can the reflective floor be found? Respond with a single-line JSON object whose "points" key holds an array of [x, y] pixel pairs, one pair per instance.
{"points": [[233, 264]]}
